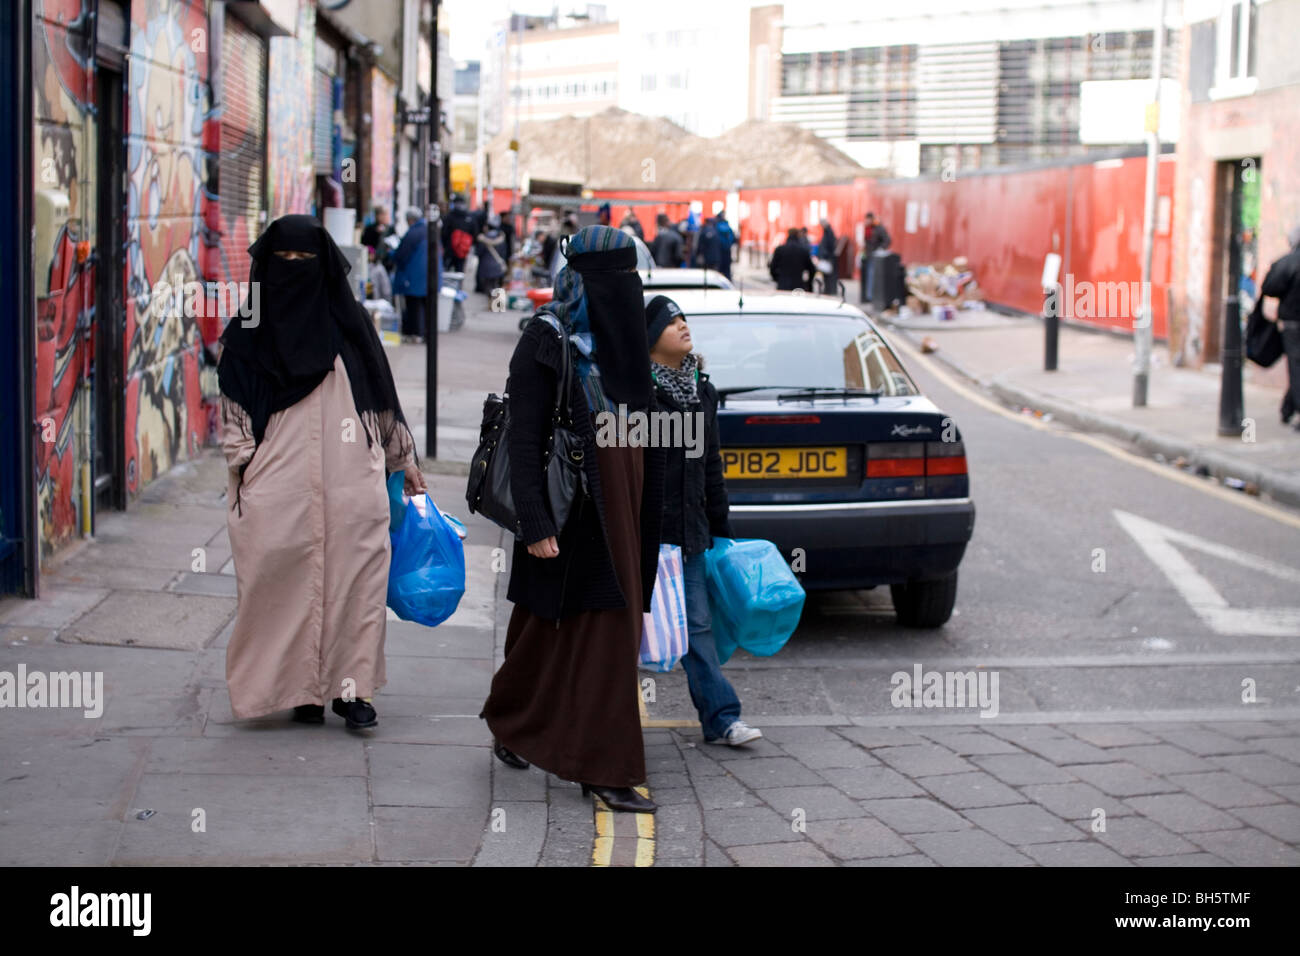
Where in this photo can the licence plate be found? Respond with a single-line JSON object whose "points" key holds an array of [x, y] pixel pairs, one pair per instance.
{"points": [[785, 462]]}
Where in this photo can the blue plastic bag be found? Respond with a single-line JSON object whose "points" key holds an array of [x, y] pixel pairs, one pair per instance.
{"points": [[426, 578], [755, 599]]}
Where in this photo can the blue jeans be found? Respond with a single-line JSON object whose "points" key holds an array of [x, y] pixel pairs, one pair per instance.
{"points": [[711, 693]]}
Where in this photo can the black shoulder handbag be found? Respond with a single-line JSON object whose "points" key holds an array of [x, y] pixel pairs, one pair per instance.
{"points": [[488, 488], [1263, 340]]}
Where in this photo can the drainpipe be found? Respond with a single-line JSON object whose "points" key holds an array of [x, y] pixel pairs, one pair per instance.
{"points": [[88, 294]]}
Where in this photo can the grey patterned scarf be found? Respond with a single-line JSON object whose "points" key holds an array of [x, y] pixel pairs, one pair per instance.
{"points": [[680, 383]]}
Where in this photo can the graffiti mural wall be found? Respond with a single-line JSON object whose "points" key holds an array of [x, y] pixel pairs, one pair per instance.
{"points": [[64, 280], [383, 112], [166, 89], [291, 181], [168, 107]]}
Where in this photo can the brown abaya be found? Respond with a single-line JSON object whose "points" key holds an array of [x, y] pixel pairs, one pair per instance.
{"points": [[565, 698]]}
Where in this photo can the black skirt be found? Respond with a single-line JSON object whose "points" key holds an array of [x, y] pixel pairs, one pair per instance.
{"points": [[566, 697]]}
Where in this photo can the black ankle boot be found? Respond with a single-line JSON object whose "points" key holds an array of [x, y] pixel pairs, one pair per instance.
{"points": [[508, 756], [624, 799], [309, 713], [358, 714]]}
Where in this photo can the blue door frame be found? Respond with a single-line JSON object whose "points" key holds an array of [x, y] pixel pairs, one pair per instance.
{"points": [[19, 563]]}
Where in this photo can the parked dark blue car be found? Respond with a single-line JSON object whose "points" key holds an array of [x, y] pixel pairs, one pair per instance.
{"points": [[830, 450]]}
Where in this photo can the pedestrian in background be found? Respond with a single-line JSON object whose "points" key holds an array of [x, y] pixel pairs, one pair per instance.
{"points": [[708, 246], [791, 265], [459, 228], [493, 257], [377, 229], [1283, 283], [310, 422], [827, 265], [411, 280], [631, 222], [604, 214], [695, 512], [565, 696], [874, 236], [666, 247], [726, 241], [381, 284]]}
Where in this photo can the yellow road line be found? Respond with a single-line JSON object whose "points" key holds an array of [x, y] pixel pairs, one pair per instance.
{"points": [[1133, 458]]}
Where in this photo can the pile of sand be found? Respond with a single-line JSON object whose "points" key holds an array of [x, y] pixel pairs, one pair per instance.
{"points": [[621, 150]]}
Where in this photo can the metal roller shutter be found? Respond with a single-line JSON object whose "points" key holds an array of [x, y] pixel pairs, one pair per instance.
{"points": [[323, 126], [242, 179]]}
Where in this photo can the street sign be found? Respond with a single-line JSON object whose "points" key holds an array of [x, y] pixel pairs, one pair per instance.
{"points": [[416, 117]]}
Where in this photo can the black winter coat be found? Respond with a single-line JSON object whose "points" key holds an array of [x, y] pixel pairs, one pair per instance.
{"points": [[582, 578], [666, 248], [1283, 281], [695, 494], [788, 264]]}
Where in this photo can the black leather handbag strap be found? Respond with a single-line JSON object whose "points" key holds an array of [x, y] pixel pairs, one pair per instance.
{"points": [[565, 384]]}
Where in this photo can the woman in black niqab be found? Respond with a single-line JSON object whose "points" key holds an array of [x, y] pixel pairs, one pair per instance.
{"points": [[309, 519]]}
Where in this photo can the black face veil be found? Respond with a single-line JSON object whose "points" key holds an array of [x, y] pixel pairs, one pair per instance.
{"points": [[301, 314], [616, 316]]}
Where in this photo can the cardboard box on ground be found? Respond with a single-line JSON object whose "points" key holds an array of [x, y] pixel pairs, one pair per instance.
{"points": [[942, 288]]}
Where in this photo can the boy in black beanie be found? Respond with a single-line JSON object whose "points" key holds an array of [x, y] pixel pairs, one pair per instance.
{"points": [[695, 511]]}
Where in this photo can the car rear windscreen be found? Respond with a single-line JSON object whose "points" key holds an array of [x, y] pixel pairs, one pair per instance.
{"points": [[758, 351]]}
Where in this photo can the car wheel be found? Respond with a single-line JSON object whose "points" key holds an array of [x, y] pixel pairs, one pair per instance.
{"points": [[925, 603]]}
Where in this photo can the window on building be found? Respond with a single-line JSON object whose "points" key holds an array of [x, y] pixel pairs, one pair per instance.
{"points": [[796, 74], [1234, 54]]}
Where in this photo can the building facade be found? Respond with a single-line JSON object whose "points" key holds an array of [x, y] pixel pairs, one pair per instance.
{"points": [[156, 140], [1237, 191], [938, 86]]}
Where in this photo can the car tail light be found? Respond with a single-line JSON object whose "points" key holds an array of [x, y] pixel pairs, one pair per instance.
{"points": [[952, 465], [904, 459], [901, 459], [945, 458]]}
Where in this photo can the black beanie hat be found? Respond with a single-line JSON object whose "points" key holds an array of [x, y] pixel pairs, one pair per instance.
{"points": [[660, 312]]}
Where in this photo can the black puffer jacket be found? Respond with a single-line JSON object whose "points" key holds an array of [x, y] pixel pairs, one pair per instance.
{"points": [[582, 578], [1283, 281], [695, 494]]}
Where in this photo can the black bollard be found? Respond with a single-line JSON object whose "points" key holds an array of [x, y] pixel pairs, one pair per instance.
{"points": [[1051, 327], [1231, 406]]}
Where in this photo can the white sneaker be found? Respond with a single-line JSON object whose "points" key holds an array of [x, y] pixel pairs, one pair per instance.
{"points": [[740, 733]]}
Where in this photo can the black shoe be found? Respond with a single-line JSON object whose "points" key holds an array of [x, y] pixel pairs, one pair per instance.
{"points": [[358, 714], [508, 756], [309, 714], [624, 799]]}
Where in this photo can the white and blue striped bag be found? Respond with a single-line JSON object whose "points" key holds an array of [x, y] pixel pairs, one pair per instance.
{"points": [[664, 635]]}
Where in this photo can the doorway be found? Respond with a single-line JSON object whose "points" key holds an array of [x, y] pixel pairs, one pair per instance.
{"points": [[1237, 245], [109, 422]]}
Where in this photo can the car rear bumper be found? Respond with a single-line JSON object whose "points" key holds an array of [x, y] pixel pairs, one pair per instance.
{"points": [[863, 544]]}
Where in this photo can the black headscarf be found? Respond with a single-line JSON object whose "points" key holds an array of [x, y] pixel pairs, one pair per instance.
{"points": [[598, 292], [301, 314]]}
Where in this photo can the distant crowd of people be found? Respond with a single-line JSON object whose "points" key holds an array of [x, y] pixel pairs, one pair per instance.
{"points": [[796, 262], [401, 266]]}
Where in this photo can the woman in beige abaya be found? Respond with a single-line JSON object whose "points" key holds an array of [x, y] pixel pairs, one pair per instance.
{"points": [[310, 424]]}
